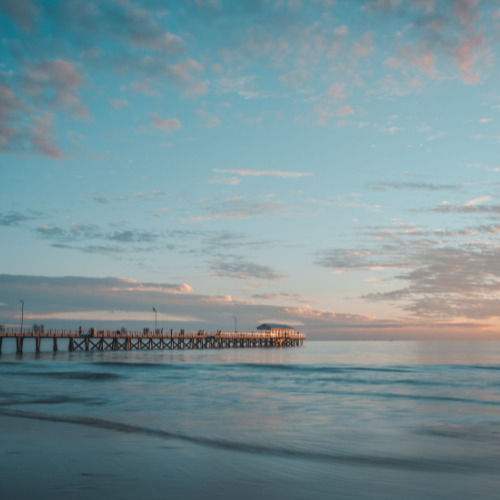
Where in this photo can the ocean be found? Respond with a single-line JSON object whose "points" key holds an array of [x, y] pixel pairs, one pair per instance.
{"points": [[343, 420]]}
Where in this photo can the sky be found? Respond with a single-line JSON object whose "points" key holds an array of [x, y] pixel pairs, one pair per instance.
{"points": [[326, 164]]}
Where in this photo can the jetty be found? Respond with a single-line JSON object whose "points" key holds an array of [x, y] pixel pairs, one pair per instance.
{"points": [[117, 340]]}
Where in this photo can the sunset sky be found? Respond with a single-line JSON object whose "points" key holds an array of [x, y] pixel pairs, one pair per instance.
{"points": [[332, 165]]}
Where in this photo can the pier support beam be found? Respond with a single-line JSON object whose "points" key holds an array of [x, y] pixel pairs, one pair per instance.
{"points": [[38, 341], [71, 346], [19, 345], [1, 339], [55, 344], [87, 342]]}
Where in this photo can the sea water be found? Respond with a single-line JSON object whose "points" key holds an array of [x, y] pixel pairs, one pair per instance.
{"points": [[343, 420]]}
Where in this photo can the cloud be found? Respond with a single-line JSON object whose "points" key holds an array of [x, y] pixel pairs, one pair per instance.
{"points": [[425, 186], [50, 231], [143, 31], [467, 57], [243, 270], [168, 125], [181, 75], [345, 110], [390, 130], [364, 46], [371, 259], [33, 134], [237, 208], [477, 201], [436, 136], [22, 12], [78, 237], [336, 91], [60, 80], [230, 181], [450, 275], [276, 296], [243, 86], [27, 116], [42, 140], [210, 121], [381, 5], [118, 104], [475, 205], [110, 303], [258, 173], [14, 218], [133, 236], [295, 78], [451, 282]]}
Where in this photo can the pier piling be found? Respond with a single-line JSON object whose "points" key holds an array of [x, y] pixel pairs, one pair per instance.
{"points": [[19, 345]]}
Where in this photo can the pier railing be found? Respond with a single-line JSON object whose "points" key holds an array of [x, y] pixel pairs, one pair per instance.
{"points": [[65, 332]]}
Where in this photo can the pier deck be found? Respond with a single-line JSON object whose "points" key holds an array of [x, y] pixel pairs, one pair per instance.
{"points": [[104, 340]]}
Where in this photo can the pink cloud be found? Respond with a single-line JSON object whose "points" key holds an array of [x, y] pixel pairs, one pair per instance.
{"points": [[426, 64], [364, 47], [42, 140], [168, 125], [463, 10], [345, 110], [336, 90], [466, 59], [428, 6], [324, 114], [418, 57], [295, 78], [183, 73], [60, 77], [380, 5]]}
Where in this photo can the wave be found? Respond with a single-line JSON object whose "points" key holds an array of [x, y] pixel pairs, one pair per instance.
{"points": [[251, 366], [479, 367], [367, 381], [81, 375], [136, 365], [484, 433], [398, 463], [416, 397], [316, 368], [53, 400]]}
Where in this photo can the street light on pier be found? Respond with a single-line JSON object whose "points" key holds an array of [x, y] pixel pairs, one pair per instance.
{"points": [[22, 315], [235, 325], [156, 318]]}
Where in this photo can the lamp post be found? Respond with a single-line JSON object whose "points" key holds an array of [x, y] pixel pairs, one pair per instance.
{"points": [[22, 315], [156, 318], [235, 325]]}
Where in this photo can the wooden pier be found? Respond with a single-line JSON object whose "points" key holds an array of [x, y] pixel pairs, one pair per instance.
{"points": [[108, 340]]}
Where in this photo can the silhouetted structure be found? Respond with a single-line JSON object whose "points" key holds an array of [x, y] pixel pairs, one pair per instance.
{"points": [[115, 340]]}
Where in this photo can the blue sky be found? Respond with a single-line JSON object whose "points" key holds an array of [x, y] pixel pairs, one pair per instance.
{"points": [[329, 164]]}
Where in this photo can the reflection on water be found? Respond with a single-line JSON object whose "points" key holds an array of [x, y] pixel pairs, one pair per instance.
{"points": [[331, 419]]}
